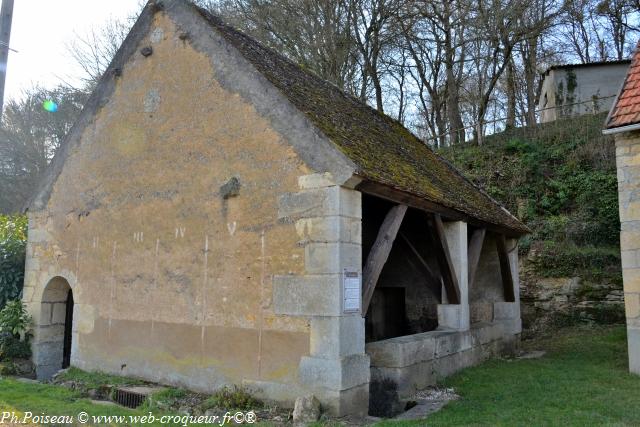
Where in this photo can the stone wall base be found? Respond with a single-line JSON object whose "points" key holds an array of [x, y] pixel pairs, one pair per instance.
{"points": [[415, 362], [284, 395], [353, 401]]}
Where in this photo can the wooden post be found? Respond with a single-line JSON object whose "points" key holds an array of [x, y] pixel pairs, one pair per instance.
{"points": [[505, 269], [380, 253], [474, 251], [443, 256]]}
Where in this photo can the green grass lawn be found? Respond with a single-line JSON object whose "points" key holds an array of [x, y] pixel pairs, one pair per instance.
{"points": [[581, 381], [49, 399]]}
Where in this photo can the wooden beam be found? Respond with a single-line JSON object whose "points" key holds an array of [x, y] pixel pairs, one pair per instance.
{"points": [[475, 248], [380, 253], [431, 276], [401, 197], [505, 268], [443, 256]]}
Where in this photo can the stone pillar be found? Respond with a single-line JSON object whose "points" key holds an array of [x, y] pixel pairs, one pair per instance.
{"points": [[328, 220], [512, 244], [508, 313], [456, 316], [628, 164]]}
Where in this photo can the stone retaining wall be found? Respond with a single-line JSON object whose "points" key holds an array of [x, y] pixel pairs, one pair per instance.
{"points": [[414, 362]]}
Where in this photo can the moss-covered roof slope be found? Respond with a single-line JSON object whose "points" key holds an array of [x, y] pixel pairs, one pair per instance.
{"points": [[383, 150]]}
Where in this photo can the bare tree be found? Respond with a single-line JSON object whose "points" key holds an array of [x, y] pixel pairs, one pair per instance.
{"points": [[616, 15], [422, 42], [442, 66], [94, 50], [437, 41], [497, 28], [29, 137], [539, 17], [314, 33], [372, 34], [598, 30]]}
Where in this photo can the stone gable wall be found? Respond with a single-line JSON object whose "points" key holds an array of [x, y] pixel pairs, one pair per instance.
{"points": [[172, 280]]}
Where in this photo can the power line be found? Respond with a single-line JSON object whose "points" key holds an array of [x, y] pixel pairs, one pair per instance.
{"points": [[504, 118], [8, 47]]}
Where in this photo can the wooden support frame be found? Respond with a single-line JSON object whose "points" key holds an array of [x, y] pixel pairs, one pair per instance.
{"points": [[431, 276], [474, 251], [443, 256], [380, 253], [505, 268], [402, 197]]}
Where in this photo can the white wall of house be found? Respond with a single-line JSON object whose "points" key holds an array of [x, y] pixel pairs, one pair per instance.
{"points": [[594, 86]]}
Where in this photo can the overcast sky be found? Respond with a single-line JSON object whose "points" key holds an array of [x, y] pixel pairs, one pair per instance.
{"points": [[40, 32]]}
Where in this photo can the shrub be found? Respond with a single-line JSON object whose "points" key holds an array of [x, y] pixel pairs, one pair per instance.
{"points": [[15, 320], [13, 348], [8, 368], [169, 399], [15, 331], [567, 260], [228, 398], [95, 380], [13, 242]]}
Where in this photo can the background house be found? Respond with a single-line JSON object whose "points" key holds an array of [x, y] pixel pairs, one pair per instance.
{"points": [[574, 89]]}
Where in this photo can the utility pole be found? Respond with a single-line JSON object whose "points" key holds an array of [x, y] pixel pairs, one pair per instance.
{"points": [[6, 16]]}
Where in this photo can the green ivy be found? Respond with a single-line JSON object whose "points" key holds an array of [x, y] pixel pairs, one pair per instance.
{"points": [[560, 179], [597, 264], [15, 331], [13, 243], [13, 348], [15, 320]]}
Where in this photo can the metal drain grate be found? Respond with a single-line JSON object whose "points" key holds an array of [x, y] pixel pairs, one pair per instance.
{"points": [[129, 397]]}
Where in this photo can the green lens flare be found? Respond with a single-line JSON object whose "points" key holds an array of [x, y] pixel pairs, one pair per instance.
{"points": [[50, 106]]}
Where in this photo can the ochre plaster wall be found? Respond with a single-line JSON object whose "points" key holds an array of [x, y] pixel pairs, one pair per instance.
{"points": [[171, 281]]}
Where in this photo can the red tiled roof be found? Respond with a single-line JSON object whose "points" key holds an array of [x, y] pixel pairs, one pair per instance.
{"points": [[626, 109]]}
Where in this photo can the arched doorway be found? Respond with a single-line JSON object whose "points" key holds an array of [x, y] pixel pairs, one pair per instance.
{"points": [[53, 332]]}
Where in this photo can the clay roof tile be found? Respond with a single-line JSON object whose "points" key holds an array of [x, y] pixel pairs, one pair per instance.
{"points": [[626, 108]]}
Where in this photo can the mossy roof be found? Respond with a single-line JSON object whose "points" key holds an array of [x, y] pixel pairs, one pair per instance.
{"points": [[383, 150]]}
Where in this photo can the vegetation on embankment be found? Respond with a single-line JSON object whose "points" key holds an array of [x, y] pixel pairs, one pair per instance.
{"points": [[13, 244], [560, 179]]}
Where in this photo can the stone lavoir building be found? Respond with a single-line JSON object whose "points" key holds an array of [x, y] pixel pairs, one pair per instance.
{"points": [[624, 122], [219, 215]]}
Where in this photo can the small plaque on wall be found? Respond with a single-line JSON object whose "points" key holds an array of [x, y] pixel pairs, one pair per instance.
{"points": [[351, 292]]}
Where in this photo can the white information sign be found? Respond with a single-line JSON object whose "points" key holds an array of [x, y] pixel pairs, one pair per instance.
{"points": [[351, 292]]}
